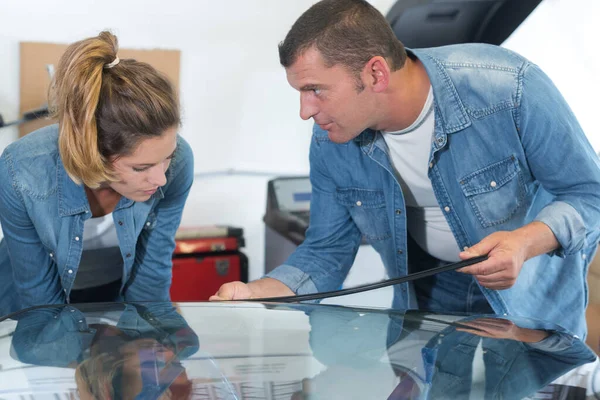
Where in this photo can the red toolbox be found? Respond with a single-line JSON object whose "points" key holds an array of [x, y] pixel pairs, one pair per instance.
{"points": [[204, 259]]}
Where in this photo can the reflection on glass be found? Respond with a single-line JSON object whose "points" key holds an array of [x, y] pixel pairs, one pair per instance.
{"points": [[298, 352], [137, 358], [435, 357]]}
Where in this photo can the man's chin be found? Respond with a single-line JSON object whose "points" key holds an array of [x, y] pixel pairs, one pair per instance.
{"points": [[339, 139]]}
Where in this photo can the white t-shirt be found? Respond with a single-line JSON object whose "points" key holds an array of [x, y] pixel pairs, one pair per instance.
{"points": [[409, 151], [101, 262]]}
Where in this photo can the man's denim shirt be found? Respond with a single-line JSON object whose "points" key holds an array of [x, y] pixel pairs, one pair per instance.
{"points": [[42, 213], [507, 150]]}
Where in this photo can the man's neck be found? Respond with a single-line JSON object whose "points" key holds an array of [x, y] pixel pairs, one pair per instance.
{"points": [[406, 97]]}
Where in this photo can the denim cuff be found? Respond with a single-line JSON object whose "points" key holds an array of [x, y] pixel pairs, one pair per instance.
{"points": [[566, 224], [294, 278], [555, 342]]}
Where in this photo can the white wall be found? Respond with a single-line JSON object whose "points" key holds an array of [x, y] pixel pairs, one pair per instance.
{"points": [[561, 36], [239, 112]]}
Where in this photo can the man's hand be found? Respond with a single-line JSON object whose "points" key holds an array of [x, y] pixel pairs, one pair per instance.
{"points": [[232, 291], [507, 251], [501, 329], [266, 287]]}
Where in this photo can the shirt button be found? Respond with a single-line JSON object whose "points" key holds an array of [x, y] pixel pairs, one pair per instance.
{"points": [[77, 238], [398, 212], [147, 223], [430, 165], [128, 255], [465, 248], [51, 255], [493, 184], [447, 209], [121, 223], [359, 203], [400, 251], [583, 256], [70, 271]]}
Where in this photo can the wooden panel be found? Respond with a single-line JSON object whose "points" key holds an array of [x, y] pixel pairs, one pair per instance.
{"points": [[593, 310], [592, 315], [35, 79], [594, 279]]}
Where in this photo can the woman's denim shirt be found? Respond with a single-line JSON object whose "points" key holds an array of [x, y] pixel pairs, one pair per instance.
{"points": [[507, 150], [42, 213]]}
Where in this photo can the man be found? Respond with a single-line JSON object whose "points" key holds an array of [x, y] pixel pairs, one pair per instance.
{"points": [[437, 155]]}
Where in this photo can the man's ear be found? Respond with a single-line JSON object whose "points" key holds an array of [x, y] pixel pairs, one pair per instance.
{"points": [[376, 74]]}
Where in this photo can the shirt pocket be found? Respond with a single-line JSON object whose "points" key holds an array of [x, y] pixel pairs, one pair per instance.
{"points": [[368, 211], [495, 192]]}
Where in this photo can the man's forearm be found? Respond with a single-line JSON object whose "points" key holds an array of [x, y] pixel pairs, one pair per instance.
{"points": [[269, 287], [538, 239]]}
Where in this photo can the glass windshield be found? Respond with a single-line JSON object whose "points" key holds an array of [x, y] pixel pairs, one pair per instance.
{"points": [[282, 351]]}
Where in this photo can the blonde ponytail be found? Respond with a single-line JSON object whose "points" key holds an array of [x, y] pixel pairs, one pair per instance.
{"points": [[74, 99]]}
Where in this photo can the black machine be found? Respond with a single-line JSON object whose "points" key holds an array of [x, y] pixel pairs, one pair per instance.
{"points": [[286, 218], [430, 23], [28, 116]]}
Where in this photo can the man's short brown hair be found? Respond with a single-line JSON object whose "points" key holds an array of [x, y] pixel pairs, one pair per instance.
{"points": [[345, 32]]}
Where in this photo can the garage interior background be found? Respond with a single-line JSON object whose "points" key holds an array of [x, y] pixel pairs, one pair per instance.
{"points": [[240, 115]]}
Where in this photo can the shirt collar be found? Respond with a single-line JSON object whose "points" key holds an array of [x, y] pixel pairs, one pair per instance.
{"points": [[72, 198], [449, 109]]}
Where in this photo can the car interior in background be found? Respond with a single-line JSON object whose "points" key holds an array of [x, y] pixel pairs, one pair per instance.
{"points": [[272, 351]]}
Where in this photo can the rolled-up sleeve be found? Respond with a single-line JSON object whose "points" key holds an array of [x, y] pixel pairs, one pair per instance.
{"points": [[561, 159]]}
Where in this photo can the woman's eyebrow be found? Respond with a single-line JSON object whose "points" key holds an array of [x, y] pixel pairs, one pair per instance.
{"points": [[150, 165]]}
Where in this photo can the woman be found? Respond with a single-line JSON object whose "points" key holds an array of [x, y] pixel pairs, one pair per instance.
{"points": [[89, 207]]}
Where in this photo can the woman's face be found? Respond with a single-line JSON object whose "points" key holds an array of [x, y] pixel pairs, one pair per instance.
{"points": [[147, 361], [93, 376], [141, 173], [142, 362]]}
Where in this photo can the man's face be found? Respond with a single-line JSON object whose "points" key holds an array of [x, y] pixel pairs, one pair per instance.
{"points": [[141, 173], [330, 97]]}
